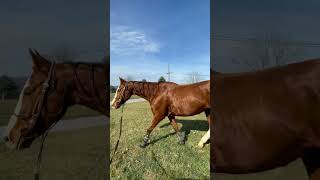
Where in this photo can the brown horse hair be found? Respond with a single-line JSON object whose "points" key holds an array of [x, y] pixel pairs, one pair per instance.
{"points": [[71, 83], [146, 90], [165, 101]]}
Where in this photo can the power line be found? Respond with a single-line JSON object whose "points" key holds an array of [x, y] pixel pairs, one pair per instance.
{"points": [[168, 73], [247, 39], [186, 74]]}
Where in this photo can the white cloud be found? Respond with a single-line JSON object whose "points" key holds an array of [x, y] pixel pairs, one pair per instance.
{"points": [[138, 69], [129, 41]]}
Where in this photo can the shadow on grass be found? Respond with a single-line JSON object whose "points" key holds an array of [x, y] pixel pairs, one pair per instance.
{"points": [[163, 137], [187, 126]]}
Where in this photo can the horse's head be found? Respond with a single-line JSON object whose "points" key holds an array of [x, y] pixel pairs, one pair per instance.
{"points": [[40, 104], [123, 93]]}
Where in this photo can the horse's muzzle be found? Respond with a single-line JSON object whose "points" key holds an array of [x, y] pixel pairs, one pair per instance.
{"points": [[22, 144], [115, 106], [9, 144]]}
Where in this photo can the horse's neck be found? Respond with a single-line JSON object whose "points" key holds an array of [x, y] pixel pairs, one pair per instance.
{"points": [[94, 94], [145, 90]]}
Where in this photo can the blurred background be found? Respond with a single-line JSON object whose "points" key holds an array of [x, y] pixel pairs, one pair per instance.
{"points": [[75, 31], [253, 35]]}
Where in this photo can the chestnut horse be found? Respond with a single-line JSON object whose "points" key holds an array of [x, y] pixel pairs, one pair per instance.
{"points": [[266, 119], [167, 99], [48, 93]]}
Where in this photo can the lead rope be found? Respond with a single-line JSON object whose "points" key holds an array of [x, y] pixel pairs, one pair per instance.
{"points": [[39, 158], [43, 137], [117, 144]]}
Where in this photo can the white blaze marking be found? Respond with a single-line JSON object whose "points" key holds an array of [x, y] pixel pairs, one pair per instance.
{"points": [[17, 110], [115, 96], [204, 139]]}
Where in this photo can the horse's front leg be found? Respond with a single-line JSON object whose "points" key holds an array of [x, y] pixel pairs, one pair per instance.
{"points": [[155, 122], [181, 135]]}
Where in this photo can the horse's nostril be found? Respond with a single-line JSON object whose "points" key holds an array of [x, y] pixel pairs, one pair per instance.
{"points": [[6, 139]]}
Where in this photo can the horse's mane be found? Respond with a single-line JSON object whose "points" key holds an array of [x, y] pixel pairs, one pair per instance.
{"points": [[81, 63], [97, 65], [73, 63], [167, 82]]}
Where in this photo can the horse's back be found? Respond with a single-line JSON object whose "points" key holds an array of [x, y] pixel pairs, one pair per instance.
{"points": [[272, 114], [199, 90], [191, 99]]}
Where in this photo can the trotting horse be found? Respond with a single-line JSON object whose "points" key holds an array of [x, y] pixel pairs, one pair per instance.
{"points": [[266, 119], [167, 99], [49, 91]]}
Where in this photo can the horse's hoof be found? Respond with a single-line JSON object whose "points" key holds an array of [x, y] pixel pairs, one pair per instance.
{"points": [[181, 142], [200, 145], [143, 146]]}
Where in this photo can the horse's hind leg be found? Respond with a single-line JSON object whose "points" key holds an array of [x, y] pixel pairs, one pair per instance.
{"points": [[206, 137], [207, 112], [311, 159], [155, 122], [174, 124]]}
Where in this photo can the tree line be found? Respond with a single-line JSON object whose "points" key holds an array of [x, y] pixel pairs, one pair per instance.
{"points": [[8, 88]]}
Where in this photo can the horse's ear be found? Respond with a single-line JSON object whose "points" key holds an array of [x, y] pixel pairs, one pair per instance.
{"points": [[122, 80], [38, 62]]}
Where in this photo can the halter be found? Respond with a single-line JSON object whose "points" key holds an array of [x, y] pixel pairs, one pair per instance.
{"points": [[35, 117], [36, 112], [122, 93], [39, 104], [121, 118]]}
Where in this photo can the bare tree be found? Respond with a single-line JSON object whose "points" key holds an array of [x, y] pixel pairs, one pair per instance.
{"points": [[193, 77], [129, 78], [269, 50], [63, 53], [8, 88]]}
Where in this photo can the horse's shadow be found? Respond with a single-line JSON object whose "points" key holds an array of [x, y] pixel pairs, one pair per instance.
{"points": [[187, 126]]}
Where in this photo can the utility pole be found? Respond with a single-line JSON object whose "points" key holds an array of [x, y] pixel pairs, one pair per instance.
{"points": [[168, 73]]}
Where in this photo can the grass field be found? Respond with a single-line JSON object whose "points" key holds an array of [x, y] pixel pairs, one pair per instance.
{"points": [[7, 107], [71, 155], [132, 97], [164, 158]]}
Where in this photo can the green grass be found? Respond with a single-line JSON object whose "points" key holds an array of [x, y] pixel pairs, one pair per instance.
{"points": [[163, 159], [7, 108], [71, 155], [132, 97]]}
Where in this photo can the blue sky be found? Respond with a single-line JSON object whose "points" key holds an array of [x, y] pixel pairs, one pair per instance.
{"points": [[147, 35]]}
